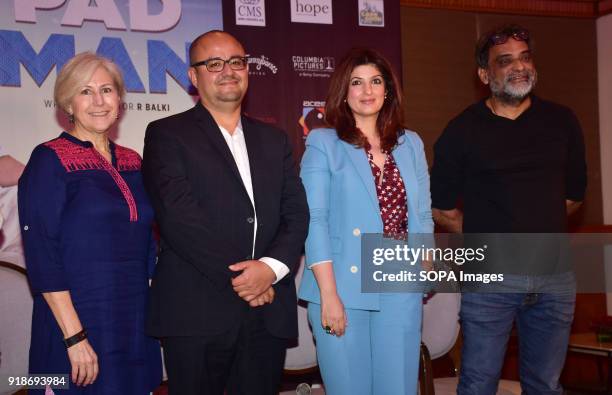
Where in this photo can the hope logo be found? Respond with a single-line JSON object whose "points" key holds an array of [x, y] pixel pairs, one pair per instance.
{"points": [[311, 11]]}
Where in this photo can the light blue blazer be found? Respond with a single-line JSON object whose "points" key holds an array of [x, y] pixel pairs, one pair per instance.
{"points": [[343, 205]]}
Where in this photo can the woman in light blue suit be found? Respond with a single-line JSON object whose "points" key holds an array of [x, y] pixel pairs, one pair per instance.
{"points": [[367, 175]]}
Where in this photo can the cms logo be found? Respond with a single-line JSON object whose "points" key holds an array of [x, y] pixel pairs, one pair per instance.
{"points": [[250, 8]]}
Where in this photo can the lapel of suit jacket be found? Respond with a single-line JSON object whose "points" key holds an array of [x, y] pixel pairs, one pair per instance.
{"points": [[404, 156], [255, 149], [360, 161], [211, 130]]}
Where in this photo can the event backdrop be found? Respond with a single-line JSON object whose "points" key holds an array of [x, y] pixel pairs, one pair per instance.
{"points": [[295, 45], [148, 39]]}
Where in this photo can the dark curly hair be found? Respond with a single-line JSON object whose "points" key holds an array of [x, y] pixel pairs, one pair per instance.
{"points": [[485, 42]]}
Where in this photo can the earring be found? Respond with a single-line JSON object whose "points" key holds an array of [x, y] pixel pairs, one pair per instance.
{"points": [[71, 118]]}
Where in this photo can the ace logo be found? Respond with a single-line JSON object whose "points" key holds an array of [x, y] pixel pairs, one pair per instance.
{"points": [[311, 11]]}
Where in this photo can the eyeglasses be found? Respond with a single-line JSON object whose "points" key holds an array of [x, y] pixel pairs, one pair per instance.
{"points": [[216, 65], [502, 38]]}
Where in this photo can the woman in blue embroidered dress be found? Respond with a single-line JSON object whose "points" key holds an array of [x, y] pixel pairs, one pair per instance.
{"points": [[86, 227]]}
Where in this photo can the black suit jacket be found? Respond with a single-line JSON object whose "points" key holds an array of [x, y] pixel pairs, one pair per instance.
{"points": [[206, 223]]}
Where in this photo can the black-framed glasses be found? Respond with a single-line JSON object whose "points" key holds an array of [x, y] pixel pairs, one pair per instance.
{"points": [[502, 38], [216, 65]]}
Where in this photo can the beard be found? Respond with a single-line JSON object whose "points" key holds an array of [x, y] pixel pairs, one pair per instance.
{"points": [[514, 93]]}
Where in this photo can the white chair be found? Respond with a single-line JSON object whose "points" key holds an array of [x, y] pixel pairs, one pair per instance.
{"points": [[15, 296], [302, 358], [441, 323], [11, 249], [16, 313]]}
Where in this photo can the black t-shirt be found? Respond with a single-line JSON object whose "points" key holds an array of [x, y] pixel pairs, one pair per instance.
{"points": [[513, 175]]}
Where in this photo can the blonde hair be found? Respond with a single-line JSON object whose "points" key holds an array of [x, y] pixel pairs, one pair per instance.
{"points": [[78, 71]]}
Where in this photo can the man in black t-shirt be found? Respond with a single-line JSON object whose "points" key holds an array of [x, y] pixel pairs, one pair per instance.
{"points": [[517, 162]]}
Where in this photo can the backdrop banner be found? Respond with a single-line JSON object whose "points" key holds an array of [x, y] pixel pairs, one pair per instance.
{"points": [[295, 45], [148, 39]]}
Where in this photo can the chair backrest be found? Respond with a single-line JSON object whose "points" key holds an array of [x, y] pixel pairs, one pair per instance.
{"points": [[441, 323], [16, 320], [304, 356], [11, 249]]}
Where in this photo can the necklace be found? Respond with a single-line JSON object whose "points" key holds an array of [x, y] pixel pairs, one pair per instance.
{"points": [[108, 151], [492, 107], [105, 153], [510, 112], [381, 177]]}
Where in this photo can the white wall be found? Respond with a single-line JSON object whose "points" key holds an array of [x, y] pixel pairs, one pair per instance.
{"points": [[604, 66]]}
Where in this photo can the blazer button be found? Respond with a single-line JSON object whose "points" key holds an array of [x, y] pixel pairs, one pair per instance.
{"points": [[250, 220], [354, 269], [26, 227], [356, 232]]}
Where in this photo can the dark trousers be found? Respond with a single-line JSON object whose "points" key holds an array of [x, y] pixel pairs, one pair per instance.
{"points": [[244, 360]]}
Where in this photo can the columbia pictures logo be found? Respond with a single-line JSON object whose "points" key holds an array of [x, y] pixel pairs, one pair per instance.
{"points": [[250, 12], [313, 66], [311, 11]]}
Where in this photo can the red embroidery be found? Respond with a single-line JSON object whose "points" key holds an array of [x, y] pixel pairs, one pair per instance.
{"points": [[76, 157], [73, 156], [127, 159], [391, 194]]}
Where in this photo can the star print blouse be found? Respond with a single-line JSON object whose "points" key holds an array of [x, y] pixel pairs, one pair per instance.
{"points": [[391, 194]]}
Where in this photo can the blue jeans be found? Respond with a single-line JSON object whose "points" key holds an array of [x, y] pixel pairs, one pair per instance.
{"points": [[543, 308]]}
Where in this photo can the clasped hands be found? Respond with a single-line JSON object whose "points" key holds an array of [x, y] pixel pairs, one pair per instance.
{"points": [[254, 284]]}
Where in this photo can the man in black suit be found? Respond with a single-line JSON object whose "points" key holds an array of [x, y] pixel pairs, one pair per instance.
{"points": [[233, 217]]}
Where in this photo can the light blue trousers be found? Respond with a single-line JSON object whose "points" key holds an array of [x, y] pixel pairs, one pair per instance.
{"points": [[378, 354]]}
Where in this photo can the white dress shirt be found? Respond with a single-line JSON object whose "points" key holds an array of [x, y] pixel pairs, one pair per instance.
{"points": [[237, 146]]}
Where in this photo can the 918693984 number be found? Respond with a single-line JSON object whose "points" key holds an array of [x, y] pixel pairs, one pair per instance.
{"points": [[39, 381]]}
